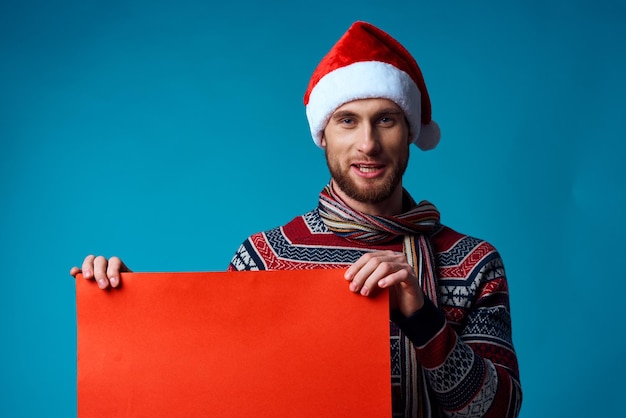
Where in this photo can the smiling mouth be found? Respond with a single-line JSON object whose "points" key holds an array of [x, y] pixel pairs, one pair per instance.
{"points": [[367, 168]]}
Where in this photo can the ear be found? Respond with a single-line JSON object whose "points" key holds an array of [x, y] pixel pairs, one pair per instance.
{"points": [[323, 142]]}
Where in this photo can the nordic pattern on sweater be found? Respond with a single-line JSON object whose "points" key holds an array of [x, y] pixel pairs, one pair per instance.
{"points": [[469, 359]]}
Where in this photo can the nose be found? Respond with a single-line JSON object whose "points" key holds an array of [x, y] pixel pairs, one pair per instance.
{"points": [[368, 140]]}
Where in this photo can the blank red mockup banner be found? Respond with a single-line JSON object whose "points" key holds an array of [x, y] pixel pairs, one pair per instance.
{"points": [[241, 344]]}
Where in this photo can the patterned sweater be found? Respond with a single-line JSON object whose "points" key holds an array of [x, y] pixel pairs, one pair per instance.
{"points": [[465, 345]]}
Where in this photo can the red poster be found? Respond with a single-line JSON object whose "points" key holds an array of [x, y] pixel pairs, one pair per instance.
{"points": [[242, 344]]}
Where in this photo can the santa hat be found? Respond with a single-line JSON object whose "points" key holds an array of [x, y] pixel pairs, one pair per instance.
{"points": [[368, 63]]}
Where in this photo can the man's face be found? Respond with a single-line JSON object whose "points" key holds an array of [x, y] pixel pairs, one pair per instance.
{"points": [[367, 149]]}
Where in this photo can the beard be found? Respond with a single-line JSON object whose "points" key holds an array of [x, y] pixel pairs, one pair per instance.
{"points": [[378, 190]]}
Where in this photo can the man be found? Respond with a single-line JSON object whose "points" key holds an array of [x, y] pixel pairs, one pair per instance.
{"points": [[450, 334]]}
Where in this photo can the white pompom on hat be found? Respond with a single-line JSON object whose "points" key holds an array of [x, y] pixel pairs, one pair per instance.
{"points": [[368, 63]]}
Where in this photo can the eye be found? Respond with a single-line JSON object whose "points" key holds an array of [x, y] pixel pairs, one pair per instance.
{"points": [[346, 121], [387, 121]]}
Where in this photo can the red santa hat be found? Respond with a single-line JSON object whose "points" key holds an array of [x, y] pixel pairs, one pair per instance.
{"points": [[368, 63]]}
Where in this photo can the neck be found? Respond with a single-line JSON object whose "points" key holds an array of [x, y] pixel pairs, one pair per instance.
{"points": [[388, 207]]}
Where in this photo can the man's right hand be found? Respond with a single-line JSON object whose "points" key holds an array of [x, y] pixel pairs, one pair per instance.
{"points": [[105, 272]]}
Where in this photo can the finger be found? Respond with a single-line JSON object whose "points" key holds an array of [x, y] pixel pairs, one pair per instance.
{"points": [[354, 269], [115, 267], [398, 275], [383, 273], [100, 271], [74, 271], [359, 283], [362, 280], [88, 267]]}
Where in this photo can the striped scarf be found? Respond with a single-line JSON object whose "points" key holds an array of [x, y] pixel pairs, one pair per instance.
{"points": [[415, 226]]}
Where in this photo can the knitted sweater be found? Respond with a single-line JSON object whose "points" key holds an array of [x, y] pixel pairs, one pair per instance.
{"points": [[465, 345]]}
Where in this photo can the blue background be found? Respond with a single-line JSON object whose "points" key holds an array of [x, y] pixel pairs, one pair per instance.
{"points": [[167, 132]]}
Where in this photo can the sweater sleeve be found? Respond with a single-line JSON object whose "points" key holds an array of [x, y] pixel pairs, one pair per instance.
{"points": [[473, 370], [246, 258]]}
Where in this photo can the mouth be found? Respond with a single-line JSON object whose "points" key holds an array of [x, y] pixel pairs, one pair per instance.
{"points": [[368, 169]]}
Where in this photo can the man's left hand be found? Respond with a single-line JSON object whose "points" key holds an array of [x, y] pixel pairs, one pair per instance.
{"points": [[387, 269]]}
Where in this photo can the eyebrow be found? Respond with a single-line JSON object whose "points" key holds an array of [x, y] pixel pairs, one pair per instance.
{"points": [[390, 111], [385, 111], [342, 114]]}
